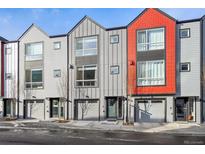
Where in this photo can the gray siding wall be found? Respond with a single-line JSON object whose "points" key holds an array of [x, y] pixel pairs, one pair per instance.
{"points": [[188, 50], [52, 59], [108, 55], [203, 109]]}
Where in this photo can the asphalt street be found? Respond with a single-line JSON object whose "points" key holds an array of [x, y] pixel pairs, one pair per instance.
{"points": [[19, 136]]}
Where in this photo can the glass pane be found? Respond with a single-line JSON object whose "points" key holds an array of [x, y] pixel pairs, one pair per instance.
{"points": [[89, 72], [90, 43], [37, 85], [57, 45], [90, 52], [79, 73], [112, 104], [57, 73], [141, 37], [55, 108], [36, 75], [79, 44], [28, 85], [34, 51], [156, 39], [79, 83], [28, 75]]}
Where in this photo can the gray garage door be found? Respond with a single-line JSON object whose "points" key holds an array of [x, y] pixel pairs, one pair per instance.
{"points": [[150, 111], [86, 110], [35, 109]]}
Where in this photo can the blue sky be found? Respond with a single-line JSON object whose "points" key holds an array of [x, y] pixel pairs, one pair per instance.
{"points": [[13, 22]]}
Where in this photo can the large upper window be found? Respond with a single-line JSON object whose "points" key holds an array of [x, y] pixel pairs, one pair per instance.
{"points": [[86, 46], [34, 79], [34, 51], [86, 75], [150, 73], [150, 39]]}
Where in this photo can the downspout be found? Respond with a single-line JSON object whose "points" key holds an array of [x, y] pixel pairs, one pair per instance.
{"points": [[68, 69], [18, 80], [201, 70], [127, 120]]}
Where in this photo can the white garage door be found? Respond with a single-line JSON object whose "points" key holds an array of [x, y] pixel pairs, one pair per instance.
{"points": [[35, 109], [88, 110], [150, 111]]}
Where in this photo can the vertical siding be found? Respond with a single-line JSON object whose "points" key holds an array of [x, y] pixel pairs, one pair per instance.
{"points": [[11, 66], [108, 55], [188, 50]]}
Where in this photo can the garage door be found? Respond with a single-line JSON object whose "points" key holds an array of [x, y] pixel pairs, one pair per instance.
{"points": [[35, 109], [150, 111], [87, 110]]}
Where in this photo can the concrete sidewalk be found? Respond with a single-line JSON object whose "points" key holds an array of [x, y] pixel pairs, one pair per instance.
{"points": [[168, 128]]}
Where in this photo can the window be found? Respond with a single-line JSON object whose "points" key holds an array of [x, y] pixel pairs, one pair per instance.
{"points": [[34, 51], [185, 67], [7, 51], [57, 45], [184, 33], [57, 73], [151, 39], [34, 79], [86, 46], [86, 75], [114, 39], [150, 73], [8, 76], [114, 70]]}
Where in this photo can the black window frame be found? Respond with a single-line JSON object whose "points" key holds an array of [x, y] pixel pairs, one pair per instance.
{"points": [[118, 67], [114, 36], [189, 32], [185, 63]]}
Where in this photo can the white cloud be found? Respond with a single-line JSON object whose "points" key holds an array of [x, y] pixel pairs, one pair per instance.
{"points": [[37, 13], [5, 19]]}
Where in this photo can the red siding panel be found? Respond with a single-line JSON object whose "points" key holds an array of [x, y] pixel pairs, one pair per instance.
{"points": [[153, 18]]}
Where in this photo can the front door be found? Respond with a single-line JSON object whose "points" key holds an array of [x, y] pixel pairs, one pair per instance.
{"points": [[7, 108], [56, 108], [185, 109], [112, 108], [181, 109]]}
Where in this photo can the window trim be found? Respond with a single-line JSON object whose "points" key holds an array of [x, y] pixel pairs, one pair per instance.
{"points": [[117, 67], [97, 43], [147, 29], [56, 43], [6, 49], [183, 63], [151, 85], [189, 30], [116, 35], [33, 43], [54, 73], [35, 69], [6, 78], [95, 80]]}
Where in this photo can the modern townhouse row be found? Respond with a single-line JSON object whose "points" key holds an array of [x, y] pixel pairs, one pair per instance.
{"points": [[151, 70]]}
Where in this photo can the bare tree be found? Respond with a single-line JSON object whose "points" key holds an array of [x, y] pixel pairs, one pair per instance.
{"points": [[84, 105], [62, 88]]}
